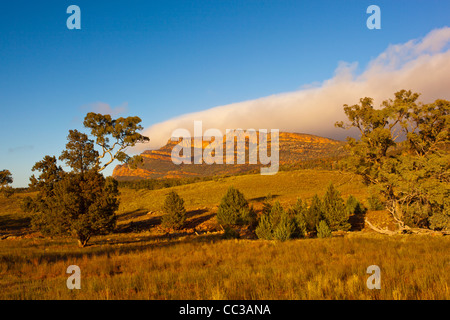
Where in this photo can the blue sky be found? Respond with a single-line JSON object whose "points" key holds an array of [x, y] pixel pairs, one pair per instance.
{"points": [[160, 59]]}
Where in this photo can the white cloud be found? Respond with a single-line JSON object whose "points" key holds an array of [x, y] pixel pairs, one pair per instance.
{"points": [[104, 108], [421, 65]]}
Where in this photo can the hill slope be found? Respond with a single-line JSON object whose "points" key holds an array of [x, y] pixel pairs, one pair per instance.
{"points": [[294, 148]]}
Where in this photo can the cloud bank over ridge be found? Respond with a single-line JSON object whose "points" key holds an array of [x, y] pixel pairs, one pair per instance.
{"points": [[421, 65]]}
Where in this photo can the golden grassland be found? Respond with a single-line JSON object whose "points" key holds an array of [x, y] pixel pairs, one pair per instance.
{"points": [[141, 261]]}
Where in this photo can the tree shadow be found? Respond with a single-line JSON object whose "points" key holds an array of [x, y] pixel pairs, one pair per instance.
{"points": [[193, 219], [13, 224], [104, 247], [260, 199], [132, 214], [357, 221], [194, 213], [138, 226]]}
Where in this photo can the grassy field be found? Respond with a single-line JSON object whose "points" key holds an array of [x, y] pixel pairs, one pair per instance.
{"points": [[142, 261]]}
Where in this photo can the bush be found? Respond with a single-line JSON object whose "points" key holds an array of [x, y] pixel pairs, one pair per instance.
{"points": [[28, 205], [375, 203], [264, 229], [440, 220], [416, 214], [7, 191], [82, 204], [285, 229], [247, 215], [175, 211], [323, 231], [279, 224], [299, 212], [230, 233], [234, 209], [267, 204], [353, 206], [314, 214], [335, 210]]}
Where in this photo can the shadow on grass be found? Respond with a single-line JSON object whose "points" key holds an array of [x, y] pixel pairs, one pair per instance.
{"points": [[103, 247], [193, 219], [132, 214], [260, 199], [357, 221], [11, 223], [125, 239], [138, 226]]}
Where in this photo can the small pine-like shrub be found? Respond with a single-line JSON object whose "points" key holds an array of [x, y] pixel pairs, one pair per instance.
{"points": [[233, 209], [323, 231], [335, 210], [175, 213], [285, 229], [267, 204], [278, 224], [353, 206], [264, 229], [247, 215], [314, 214], [299, 212]]}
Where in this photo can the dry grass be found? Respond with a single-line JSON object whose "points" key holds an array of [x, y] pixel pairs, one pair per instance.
{"points": [[206, 267], [140, 261], [284, 186]]}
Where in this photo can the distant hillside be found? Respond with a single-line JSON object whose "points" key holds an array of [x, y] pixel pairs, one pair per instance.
{"points": [[295, 148]]}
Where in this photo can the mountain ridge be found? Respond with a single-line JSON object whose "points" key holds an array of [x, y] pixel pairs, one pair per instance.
{"points": [[294, 148]]}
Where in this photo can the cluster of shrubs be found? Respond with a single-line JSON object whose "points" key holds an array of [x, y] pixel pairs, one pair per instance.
{"points": [[320, 217]]}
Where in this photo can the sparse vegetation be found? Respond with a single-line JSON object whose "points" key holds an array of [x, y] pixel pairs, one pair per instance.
{"points": [[139, 251], [234, 209], [334, 210], [5, 180], [145, 264], [175, 213], [323, 230], [412, 175]]}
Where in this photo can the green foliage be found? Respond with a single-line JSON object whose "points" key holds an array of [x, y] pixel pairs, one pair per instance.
{"points": [[440, 219], [353, 206], [114, 136], [233, 208], [264, 230], [50, 175], [247, 215], [82, 205], [175, 213], [417, 214], [79, 154], [299, 212], [5, 180], [279, 224], [28, 205], [267, 203], [285, 228], [412, 175], [82, 202], [7, 191], [323, 231], [314, 213], [335, 211], [230, 232], [374, 202], [5, 177]]}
